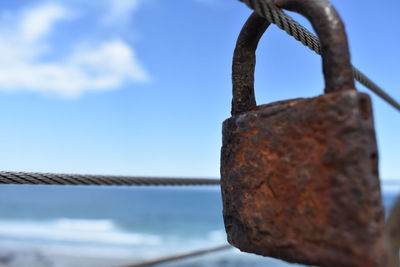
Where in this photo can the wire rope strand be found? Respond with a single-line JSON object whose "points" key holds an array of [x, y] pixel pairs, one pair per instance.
{"points": [[174, 258], [78, 179], [276, 16]]}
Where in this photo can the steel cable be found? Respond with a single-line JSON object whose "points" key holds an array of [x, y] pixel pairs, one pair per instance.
{"points": [[77, 179], [180, 257], [267, 10], [276, 16]]}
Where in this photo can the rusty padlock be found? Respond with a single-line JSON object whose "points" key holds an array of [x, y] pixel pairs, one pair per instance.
{"points": [[299, 177]]}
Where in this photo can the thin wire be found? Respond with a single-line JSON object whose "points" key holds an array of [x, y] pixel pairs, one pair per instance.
{"points": [[77, 179], [276, 16], [179, 257]]}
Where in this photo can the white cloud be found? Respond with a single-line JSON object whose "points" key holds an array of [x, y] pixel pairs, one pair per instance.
{"points": [[106, 66], [38, 22], [114, 57], [120, 10]]}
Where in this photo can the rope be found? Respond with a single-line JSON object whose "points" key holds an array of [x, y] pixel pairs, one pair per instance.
{"points": [[276, 16], [180, 257], [77, 179], [267, 10]]}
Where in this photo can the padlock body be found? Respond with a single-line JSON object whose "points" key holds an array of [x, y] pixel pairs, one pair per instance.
{"points": [[300, 181]]}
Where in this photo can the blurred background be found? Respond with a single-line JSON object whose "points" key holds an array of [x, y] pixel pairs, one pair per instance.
{"points": [[141, 87]]}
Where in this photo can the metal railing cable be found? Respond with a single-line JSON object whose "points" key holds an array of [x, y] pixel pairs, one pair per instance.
{"points": [[263, 8], [276, 16], [34, 178], [180, 257]]}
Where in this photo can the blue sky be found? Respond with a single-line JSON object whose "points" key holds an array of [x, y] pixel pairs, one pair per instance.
{"points": [[141, 87]]}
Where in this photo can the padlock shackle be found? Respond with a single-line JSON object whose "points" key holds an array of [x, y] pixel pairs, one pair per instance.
{"points": [[334, 50]]}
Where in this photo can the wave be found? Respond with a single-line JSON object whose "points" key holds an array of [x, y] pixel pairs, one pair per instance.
{"points": [[74, 230], [392, 188]]}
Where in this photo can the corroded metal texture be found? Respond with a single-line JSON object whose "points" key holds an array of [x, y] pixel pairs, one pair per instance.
{"points": [[300, 181], [299, 177], [334, 45], [244, 63], [334, 50]]}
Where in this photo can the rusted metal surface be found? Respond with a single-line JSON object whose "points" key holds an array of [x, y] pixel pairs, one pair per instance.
{"points": [[300, 177], [244, 62], [334, 45], [300, 181], [334, 50]]}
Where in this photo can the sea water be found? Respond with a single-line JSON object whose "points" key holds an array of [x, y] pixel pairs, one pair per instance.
{"points": [[108, 226]]}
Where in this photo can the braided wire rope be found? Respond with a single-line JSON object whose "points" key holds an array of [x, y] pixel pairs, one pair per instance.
{"points": [[173, 258], [267, 10], [78, 179], [276, 16]]}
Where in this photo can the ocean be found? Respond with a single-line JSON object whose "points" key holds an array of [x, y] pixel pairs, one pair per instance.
{"points": [[63, 226]]}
